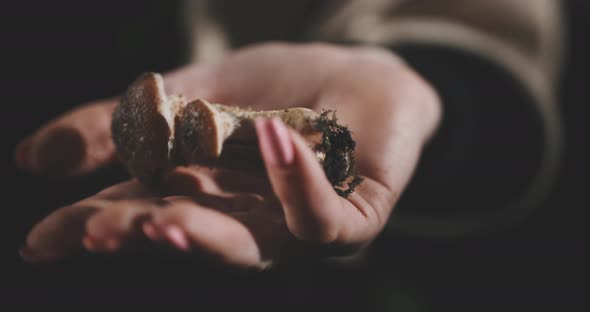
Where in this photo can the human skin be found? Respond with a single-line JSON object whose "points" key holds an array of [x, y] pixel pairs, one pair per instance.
{"points": [[242, 215]]}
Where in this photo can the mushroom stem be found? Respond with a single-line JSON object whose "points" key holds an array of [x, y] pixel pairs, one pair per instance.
{"points": [[203, 128]]}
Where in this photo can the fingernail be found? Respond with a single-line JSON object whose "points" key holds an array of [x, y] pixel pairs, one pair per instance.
{"points": [[89, 243], [177, 237], [150, 231], [275, 142], [112, 244], [27, 254], [22, 154]]}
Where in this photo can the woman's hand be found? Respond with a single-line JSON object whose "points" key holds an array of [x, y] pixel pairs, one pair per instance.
{"points": [[245, 216]]}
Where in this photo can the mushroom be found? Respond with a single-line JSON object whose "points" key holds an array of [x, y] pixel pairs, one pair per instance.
{"points": [[153, 133], [143, 128]]}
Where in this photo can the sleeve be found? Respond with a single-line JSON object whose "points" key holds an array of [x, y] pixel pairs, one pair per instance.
{"points": [[495, 65]]}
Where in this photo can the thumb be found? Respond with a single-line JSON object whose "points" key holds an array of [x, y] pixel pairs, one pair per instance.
{"points": [[313, 210], [76, 143]]}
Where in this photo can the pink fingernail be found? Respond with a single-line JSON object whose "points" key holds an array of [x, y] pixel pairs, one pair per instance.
{"points": [[89, 243], [112, 244], [177, 237], [275, 142], [150, 231]]}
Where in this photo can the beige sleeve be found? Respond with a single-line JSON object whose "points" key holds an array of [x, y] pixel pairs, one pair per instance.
{"points": [[524, 37]]}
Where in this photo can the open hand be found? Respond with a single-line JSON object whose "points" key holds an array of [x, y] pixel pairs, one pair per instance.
{"points": [[241, 215]]}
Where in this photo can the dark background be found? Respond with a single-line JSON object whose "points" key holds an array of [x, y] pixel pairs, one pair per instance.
{"points": [[55, 57]]}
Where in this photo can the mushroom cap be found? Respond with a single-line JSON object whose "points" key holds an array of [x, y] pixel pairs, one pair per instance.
{"points": [[201, 130], [142, 129]]}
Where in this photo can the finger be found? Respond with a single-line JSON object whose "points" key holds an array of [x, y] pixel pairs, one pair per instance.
{"points": [[188, 226], [218, 188], [236, 181], [192, 180], [116, 224], [61, 233], [312, 208], [58, 235], [126, 190], [78, 142]]}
